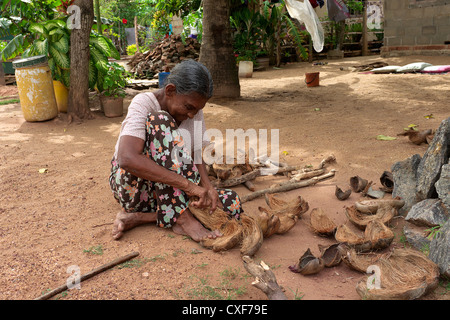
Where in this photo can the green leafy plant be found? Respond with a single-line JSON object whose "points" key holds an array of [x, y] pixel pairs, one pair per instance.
{"points": [[113, 82], [52, 39], [131, 49], [101, 48]]}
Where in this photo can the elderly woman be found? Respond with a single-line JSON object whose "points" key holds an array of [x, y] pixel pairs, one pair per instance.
{"points": [[154, 176]]}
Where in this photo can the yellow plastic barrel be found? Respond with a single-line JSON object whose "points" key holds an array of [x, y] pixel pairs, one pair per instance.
{"points": [[61, 95], [35, 86]]}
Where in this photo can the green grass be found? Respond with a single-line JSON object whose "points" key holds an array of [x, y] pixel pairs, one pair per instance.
{"points": [[9, 101]]}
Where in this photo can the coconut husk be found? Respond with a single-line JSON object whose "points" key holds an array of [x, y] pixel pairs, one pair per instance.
{"points": [[342, 195], [405, 274], [357, 261], [308, 264], [252, 236], [321, 223], [296, 207], [378, 234], [330, 255], [244, 231], [219, 220], [269, 222], [287, 212], [384, 213], [371, 206], [358, 184], [344, 234]]}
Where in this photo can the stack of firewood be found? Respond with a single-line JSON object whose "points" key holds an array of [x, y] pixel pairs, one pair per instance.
{"points": [[164, 56]]}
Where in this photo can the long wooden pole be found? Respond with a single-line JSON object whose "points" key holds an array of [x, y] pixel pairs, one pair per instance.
{"points": [[365, 49], [90, 274]]}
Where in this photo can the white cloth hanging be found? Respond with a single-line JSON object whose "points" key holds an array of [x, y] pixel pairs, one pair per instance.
{"points": [[304, 12]]}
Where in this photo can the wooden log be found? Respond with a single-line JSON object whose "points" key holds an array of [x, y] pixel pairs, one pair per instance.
{"points": [[287, 186], [265, 279], [90, 274]]}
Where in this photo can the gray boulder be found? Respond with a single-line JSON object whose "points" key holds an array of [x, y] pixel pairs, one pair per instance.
{"points": [[405, 180], [428, 213], [432, 161], [440, 249], [443, 186], [417, 237]]}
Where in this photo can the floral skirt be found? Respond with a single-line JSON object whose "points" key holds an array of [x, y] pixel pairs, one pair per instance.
{"points": [[165, 146]]}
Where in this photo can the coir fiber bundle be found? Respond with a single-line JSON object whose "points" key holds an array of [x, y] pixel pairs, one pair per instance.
{"points": [[406, 274]]}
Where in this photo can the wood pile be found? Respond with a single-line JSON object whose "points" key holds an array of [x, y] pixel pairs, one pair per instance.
{"points": [[164, 56]]}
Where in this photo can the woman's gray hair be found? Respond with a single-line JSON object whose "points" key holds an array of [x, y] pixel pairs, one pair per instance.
{"points": [[191, 76]]}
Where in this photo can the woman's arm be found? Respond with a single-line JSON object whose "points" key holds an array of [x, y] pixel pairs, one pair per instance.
{"points": [[131, 159]]}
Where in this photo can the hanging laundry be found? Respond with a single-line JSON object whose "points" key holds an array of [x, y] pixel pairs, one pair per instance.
{"points": [[321, 3], [314, 3], [337, 10], [304, 13]]}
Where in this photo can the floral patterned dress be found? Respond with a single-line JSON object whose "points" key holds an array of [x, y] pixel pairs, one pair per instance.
{"points": [[164, 145]]}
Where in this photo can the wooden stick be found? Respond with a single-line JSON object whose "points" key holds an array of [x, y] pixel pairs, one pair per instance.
{"points": [[238, 180], [287, 186], [90, 274]]}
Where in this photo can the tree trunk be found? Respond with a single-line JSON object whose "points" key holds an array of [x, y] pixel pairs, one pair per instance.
{"points": [[216, 52], [78, 105]]}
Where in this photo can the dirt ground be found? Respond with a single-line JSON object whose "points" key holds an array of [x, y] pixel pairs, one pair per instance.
{"points": [[61, 218]]}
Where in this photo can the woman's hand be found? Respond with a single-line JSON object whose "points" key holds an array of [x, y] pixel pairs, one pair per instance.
{"points": [[206, 197]]}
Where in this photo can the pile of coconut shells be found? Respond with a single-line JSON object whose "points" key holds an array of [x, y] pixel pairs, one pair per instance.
{"points": [[363, 243]]}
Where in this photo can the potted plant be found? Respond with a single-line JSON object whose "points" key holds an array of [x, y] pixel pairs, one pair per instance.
{"points": [[111, 86]]}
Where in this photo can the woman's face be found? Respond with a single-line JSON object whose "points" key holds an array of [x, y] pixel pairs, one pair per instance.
{"points": [[182, 107]]}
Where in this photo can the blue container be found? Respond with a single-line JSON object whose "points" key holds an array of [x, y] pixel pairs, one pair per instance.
{"points": [[162, 76]]}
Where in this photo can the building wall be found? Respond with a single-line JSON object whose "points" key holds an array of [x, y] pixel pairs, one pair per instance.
{"points": [[416, 27]]}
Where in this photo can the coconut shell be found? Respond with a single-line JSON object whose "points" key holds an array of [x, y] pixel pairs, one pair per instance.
{"points": [[330, 255], [387, 181], [378, 234], [358, 184], [384, 213], [405, 274], [308, 264], [321, 223], [342, 195]]}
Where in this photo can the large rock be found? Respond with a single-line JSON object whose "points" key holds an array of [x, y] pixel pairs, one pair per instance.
{"points": [[440, 249], [432, 161], [405, 180], [428, 213], [417, 237], [443, 186]]}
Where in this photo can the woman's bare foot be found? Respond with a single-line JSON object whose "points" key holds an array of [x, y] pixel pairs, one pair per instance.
{"points": [[127, 220], [188, 225]]}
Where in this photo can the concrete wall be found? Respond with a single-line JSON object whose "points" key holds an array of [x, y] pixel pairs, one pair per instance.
{"points": [[416, 27]]}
